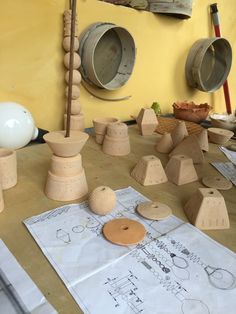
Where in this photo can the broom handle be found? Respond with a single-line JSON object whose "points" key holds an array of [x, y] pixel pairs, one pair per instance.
{"points": [[216, 22]]}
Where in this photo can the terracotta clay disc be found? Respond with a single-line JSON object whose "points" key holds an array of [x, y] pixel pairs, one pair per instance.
{"points": [[217, 182], [124, 231], [154, 210]]}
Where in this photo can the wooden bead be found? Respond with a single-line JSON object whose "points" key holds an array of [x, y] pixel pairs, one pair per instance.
{"points": [[66, 43], [77, 60], [75, 91], [75, 106], [102, 200], [76, 77]]}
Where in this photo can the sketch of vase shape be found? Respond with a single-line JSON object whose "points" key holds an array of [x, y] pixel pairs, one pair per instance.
{"points": [[220, 278], [194, 306], [180, 273], [63, 236]]}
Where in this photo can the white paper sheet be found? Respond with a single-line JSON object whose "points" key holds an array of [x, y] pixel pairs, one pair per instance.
{"points": [[231, 155], [177, 269], [18, 293], [227, 169]]}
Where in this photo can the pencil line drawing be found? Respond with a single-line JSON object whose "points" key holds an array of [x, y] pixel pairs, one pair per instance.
{"points": [[63, 235]]}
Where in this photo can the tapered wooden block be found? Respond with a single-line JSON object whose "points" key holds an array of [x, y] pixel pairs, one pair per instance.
{"points": [[180, 170], [179, 133], [147, 121], [206, 210], [165, 144], [202, 138], [149, 171], [191, 148]]}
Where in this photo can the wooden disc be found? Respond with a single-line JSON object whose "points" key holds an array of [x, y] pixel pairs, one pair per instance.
{"points": [[124, 231], [154, 210], [217, 182]]}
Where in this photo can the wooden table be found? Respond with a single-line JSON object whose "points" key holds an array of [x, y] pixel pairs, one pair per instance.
{"points": [[27, 199]]}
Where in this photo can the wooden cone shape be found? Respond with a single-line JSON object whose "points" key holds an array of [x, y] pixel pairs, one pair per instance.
{"points": [[165, 144], [149, 171], [202, 138], [191, 148], [179, 133], [180, 170], [66, 146], [147, 121], [206, 210]]}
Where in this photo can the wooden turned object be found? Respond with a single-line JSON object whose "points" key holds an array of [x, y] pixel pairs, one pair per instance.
{"points": [[66, 166], [76, 79], [124, 231], [66, 43], [165, 144], [147, 121], [66, 146], [75, 106], [116, 146], [217, 182], [117, 130], [100, 127], [179, 133], [66, 188], [206, 210], [219, 136], [180, 170], [102, 200], [77, 60], [202, 138], [75, 92], [8, 168], [154, 210], [76, 122], [149, 171], [1, 200], [191, 148]]}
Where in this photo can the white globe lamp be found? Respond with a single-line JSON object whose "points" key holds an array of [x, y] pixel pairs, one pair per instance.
{"points": [[17, 126]]}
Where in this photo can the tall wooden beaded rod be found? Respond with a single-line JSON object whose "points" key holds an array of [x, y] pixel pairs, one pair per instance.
{"points": [[71, 65]]}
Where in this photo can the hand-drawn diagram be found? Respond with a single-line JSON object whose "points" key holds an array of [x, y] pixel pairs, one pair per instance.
{"points": [[218, 277], [63, 236], [185, 278], [125, 288]]}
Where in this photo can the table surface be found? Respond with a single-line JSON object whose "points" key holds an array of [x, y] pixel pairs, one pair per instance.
{"points": [[27, 199]]}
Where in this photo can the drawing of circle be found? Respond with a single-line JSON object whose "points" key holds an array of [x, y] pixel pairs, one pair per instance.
{"points": [[221, 278], [194, 307], [78, 229], [92, 224], [179, 262]]}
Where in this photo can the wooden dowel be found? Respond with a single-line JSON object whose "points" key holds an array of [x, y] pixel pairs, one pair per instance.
{"points": [[71, 65]]}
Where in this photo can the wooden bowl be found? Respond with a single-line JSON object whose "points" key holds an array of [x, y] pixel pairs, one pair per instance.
{"points": [[189, 111], [227, 122], [219, 136]]}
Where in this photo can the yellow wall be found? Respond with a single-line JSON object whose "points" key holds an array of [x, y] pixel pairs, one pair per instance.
{"points": [[32, 72]]}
